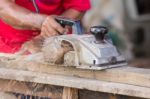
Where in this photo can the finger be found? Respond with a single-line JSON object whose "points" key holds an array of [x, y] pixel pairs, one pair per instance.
{"points": [[49, 28], [56, 25], [50, 31], [44, 32]]}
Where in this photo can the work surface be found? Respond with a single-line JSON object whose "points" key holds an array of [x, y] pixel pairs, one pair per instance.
{"points": [[125, 80]]}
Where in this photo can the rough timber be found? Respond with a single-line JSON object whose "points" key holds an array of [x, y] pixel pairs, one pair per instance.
{"points": [[126, 80]]}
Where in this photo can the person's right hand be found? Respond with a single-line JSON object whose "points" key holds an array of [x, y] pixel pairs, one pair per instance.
{"points": [[51, 27]]}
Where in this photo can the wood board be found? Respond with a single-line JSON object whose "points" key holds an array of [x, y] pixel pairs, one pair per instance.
{"points": [[75, 82], [14, 86], [126, 74]]}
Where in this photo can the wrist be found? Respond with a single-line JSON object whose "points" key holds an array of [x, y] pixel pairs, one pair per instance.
{"points": [[36, 21], [39, 20]]}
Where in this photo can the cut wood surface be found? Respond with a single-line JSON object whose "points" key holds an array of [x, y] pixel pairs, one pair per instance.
{"points": [[75, 82], [21, 87], [125, 80], [126, 74]]}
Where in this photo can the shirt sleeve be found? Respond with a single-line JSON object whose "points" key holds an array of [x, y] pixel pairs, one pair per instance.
{"points": [[80, 5]]}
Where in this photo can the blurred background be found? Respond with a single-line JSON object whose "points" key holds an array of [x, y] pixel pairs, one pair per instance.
{"points": [[129, 26]]}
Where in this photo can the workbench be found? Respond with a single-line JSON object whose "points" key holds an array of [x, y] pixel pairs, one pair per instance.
{"points": [[69, 83]]}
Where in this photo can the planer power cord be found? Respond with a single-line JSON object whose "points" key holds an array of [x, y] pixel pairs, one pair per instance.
{"points": [[36, 6]]}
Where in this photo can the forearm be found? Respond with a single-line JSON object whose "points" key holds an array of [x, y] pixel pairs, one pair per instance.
{"points": [[73, 14], [20, 17]]}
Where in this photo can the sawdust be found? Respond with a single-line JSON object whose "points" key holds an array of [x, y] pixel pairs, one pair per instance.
{"points": [[17, 61], [4, 95], [51, 51], [54, 50], [32, 46], [69, 58]]}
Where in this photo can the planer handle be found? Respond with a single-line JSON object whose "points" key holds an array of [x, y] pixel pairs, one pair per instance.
{"points": [[75, 24]]}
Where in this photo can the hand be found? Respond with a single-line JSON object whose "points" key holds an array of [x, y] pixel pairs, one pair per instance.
{"points": [[50, 27]]}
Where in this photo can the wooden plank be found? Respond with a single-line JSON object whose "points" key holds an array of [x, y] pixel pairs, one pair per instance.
{"points": [[21, 87], [126, 75], [75, 82], [112, 96], [70, 93]]}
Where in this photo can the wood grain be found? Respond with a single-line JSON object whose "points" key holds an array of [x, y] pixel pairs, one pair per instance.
{"points": [[126, 74], [75, 82], [70, 93], [21, 87]]}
